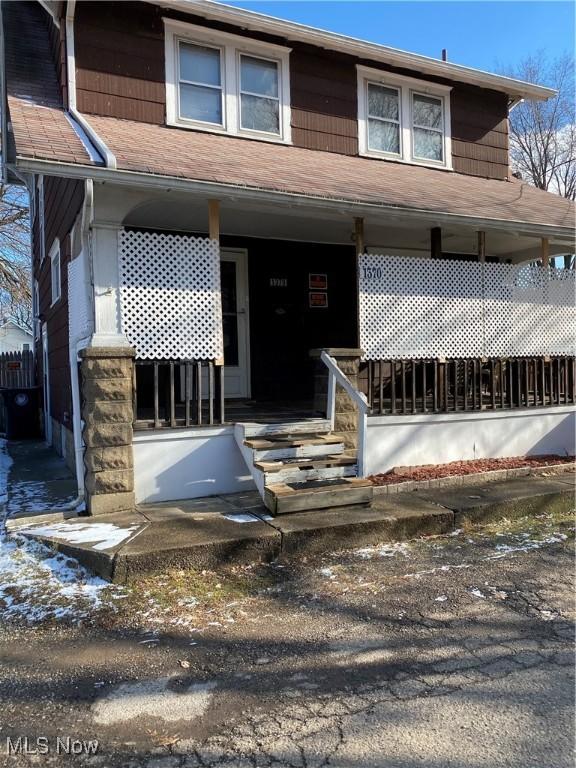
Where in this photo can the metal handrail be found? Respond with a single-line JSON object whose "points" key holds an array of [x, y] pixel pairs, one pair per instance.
{"points": [[336, 376]]}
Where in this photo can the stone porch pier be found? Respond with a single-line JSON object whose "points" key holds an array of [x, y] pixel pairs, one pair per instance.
{"points": [[107, 413]]}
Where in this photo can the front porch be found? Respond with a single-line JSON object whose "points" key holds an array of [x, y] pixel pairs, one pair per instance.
{"points": [[432, 324]]}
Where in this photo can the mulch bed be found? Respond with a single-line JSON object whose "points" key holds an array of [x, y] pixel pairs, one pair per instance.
{"points": [[434, 471]]}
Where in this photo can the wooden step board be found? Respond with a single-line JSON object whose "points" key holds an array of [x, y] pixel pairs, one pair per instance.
{"points": [[280, 447], [311, 427], [281, 499], [298, 463]]}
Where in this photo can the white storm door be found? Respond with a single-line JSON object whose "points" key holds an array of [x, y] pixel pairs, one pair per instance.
{"points": [[235, 321]]}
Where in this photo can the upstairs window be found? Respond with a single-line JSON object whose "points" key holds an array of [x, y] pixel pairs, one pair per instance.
{"points": [[383, 119], [427, 128], [201, 96], [259, 95], [403, 119], [226, 83]]}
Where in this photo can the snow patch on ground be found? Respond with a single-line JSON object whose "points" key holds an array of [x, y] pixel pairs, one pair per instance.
{"points": [[106, 535], [384, 550], [38, 585], [5, 464], [165, 698]]}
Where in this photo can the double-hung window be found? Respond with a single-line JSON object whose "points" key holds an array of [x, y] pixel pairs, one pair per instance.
{"points": [[259, 95], [200, 83], [226, 83], [384, 118], [427, 127], [403, 119]]}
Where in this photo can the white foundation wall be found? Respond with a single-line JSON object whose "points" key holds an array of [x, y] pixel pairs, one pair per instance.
{"points": [[188, 463], [394, 441]]}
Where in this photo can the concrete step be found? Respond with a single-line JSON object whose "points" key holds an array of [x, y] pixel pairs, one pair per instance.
{"points": [[311, 427], [283, 498]]}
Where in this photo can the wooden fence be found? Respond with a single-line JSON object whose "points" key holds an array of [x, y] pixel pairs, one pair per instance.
{"points": [[17, 369]]}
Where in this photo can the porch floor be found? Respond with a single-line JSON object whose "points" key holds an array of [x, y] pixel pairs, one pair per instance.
{"points": [[239, 410]]}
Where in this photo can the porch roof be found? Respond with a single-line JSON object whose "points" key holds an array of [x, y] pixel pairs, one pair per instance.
{"points": [[257, 165]]}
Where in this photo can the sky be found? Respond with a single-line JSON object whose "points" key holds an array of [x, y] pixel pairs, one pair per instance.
{"points": [[493, 36]]}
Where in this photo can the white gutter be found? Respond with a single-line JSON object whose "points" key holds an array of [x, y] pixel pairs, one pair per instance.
{"points": [[348, 207], [100, 145], [361, 49]]}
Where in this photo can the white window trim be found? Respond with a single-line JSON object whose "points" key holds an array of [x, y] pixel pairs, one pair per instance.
{"points": [[407, 86], [232, 46], [36, 308], [41, 219], [55, 288]]}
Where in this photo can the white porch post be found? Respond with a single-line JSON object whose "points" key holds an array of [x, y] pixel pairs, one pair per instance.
{"points": [[107, 312]]}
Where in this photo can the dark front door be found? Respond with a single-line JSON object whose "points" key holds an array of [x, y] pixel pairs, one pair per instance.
{"points": [[302, 296]]}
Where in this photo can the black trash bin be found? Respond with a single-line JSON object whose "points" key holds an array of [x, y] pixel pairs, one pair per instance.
{"points": [[21, 412]]}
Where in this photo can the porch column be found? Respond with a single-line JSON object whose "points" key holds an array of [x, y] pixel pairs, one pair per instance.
{"points": [[107, 412], [107, 314], [346, 414], [545, 250]]}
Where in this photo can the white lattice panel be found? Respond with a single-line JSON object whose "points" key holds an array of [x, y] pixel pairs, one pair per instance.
{"points": [[78, 305], [170, 295], [412, 307], [528, 310]]}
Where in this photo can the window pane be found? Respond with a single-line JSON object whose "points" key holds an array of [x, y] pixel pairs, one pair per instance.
{"points": [[384, 137], [258, 76], [428, 144], [259, 114], [382, 102], [427, 112], [200, 103], [199, 64]]}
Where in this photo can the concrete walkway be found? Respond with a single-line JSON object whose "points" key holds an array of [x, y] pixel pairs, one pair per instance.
{"points": [[39, 482], [238, 528]]}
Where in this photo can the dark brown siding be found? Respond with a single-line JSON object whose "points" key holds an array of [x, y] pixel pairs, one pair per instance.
{"points": [[120, 60], [62, 203], [479, 132], [324, 102], [120, 73]]}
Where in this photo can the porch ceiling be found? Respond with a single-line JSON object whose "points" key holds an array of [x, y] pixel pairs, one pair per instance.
{"points": [[177, 211]]}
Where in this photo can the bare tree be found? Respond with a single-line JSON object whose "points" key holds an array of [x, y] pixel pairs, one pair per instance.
{"points": [[543, 133], [15, 296]]}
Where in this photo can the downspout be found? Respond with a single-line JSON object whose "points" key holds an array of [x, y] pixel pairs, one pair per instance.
{"points": [[75, 345], [109, 158]]}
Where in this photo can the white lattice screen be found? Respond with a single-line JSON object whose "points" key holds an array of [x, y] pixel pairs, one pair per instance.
{"points": [[412, 307], [170, 295]]}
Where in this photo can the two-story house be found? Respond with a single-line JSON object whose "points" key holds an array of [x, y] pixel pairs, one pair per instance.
{"points": [[218, 196]]}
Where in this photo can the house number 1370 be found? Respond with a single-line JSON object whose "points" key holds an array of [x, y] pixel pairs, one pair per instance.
{"points": [[372, 273]]}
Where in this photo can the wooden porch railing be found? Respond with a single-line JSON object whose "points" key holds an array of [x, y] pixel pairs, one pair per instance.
{"points": [[178, 393], [435, 386]]}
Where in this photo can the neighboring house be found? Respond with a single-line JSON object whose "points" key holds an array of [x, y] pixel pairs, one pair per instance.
{"points": [[217, 193], [14, 338]]}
